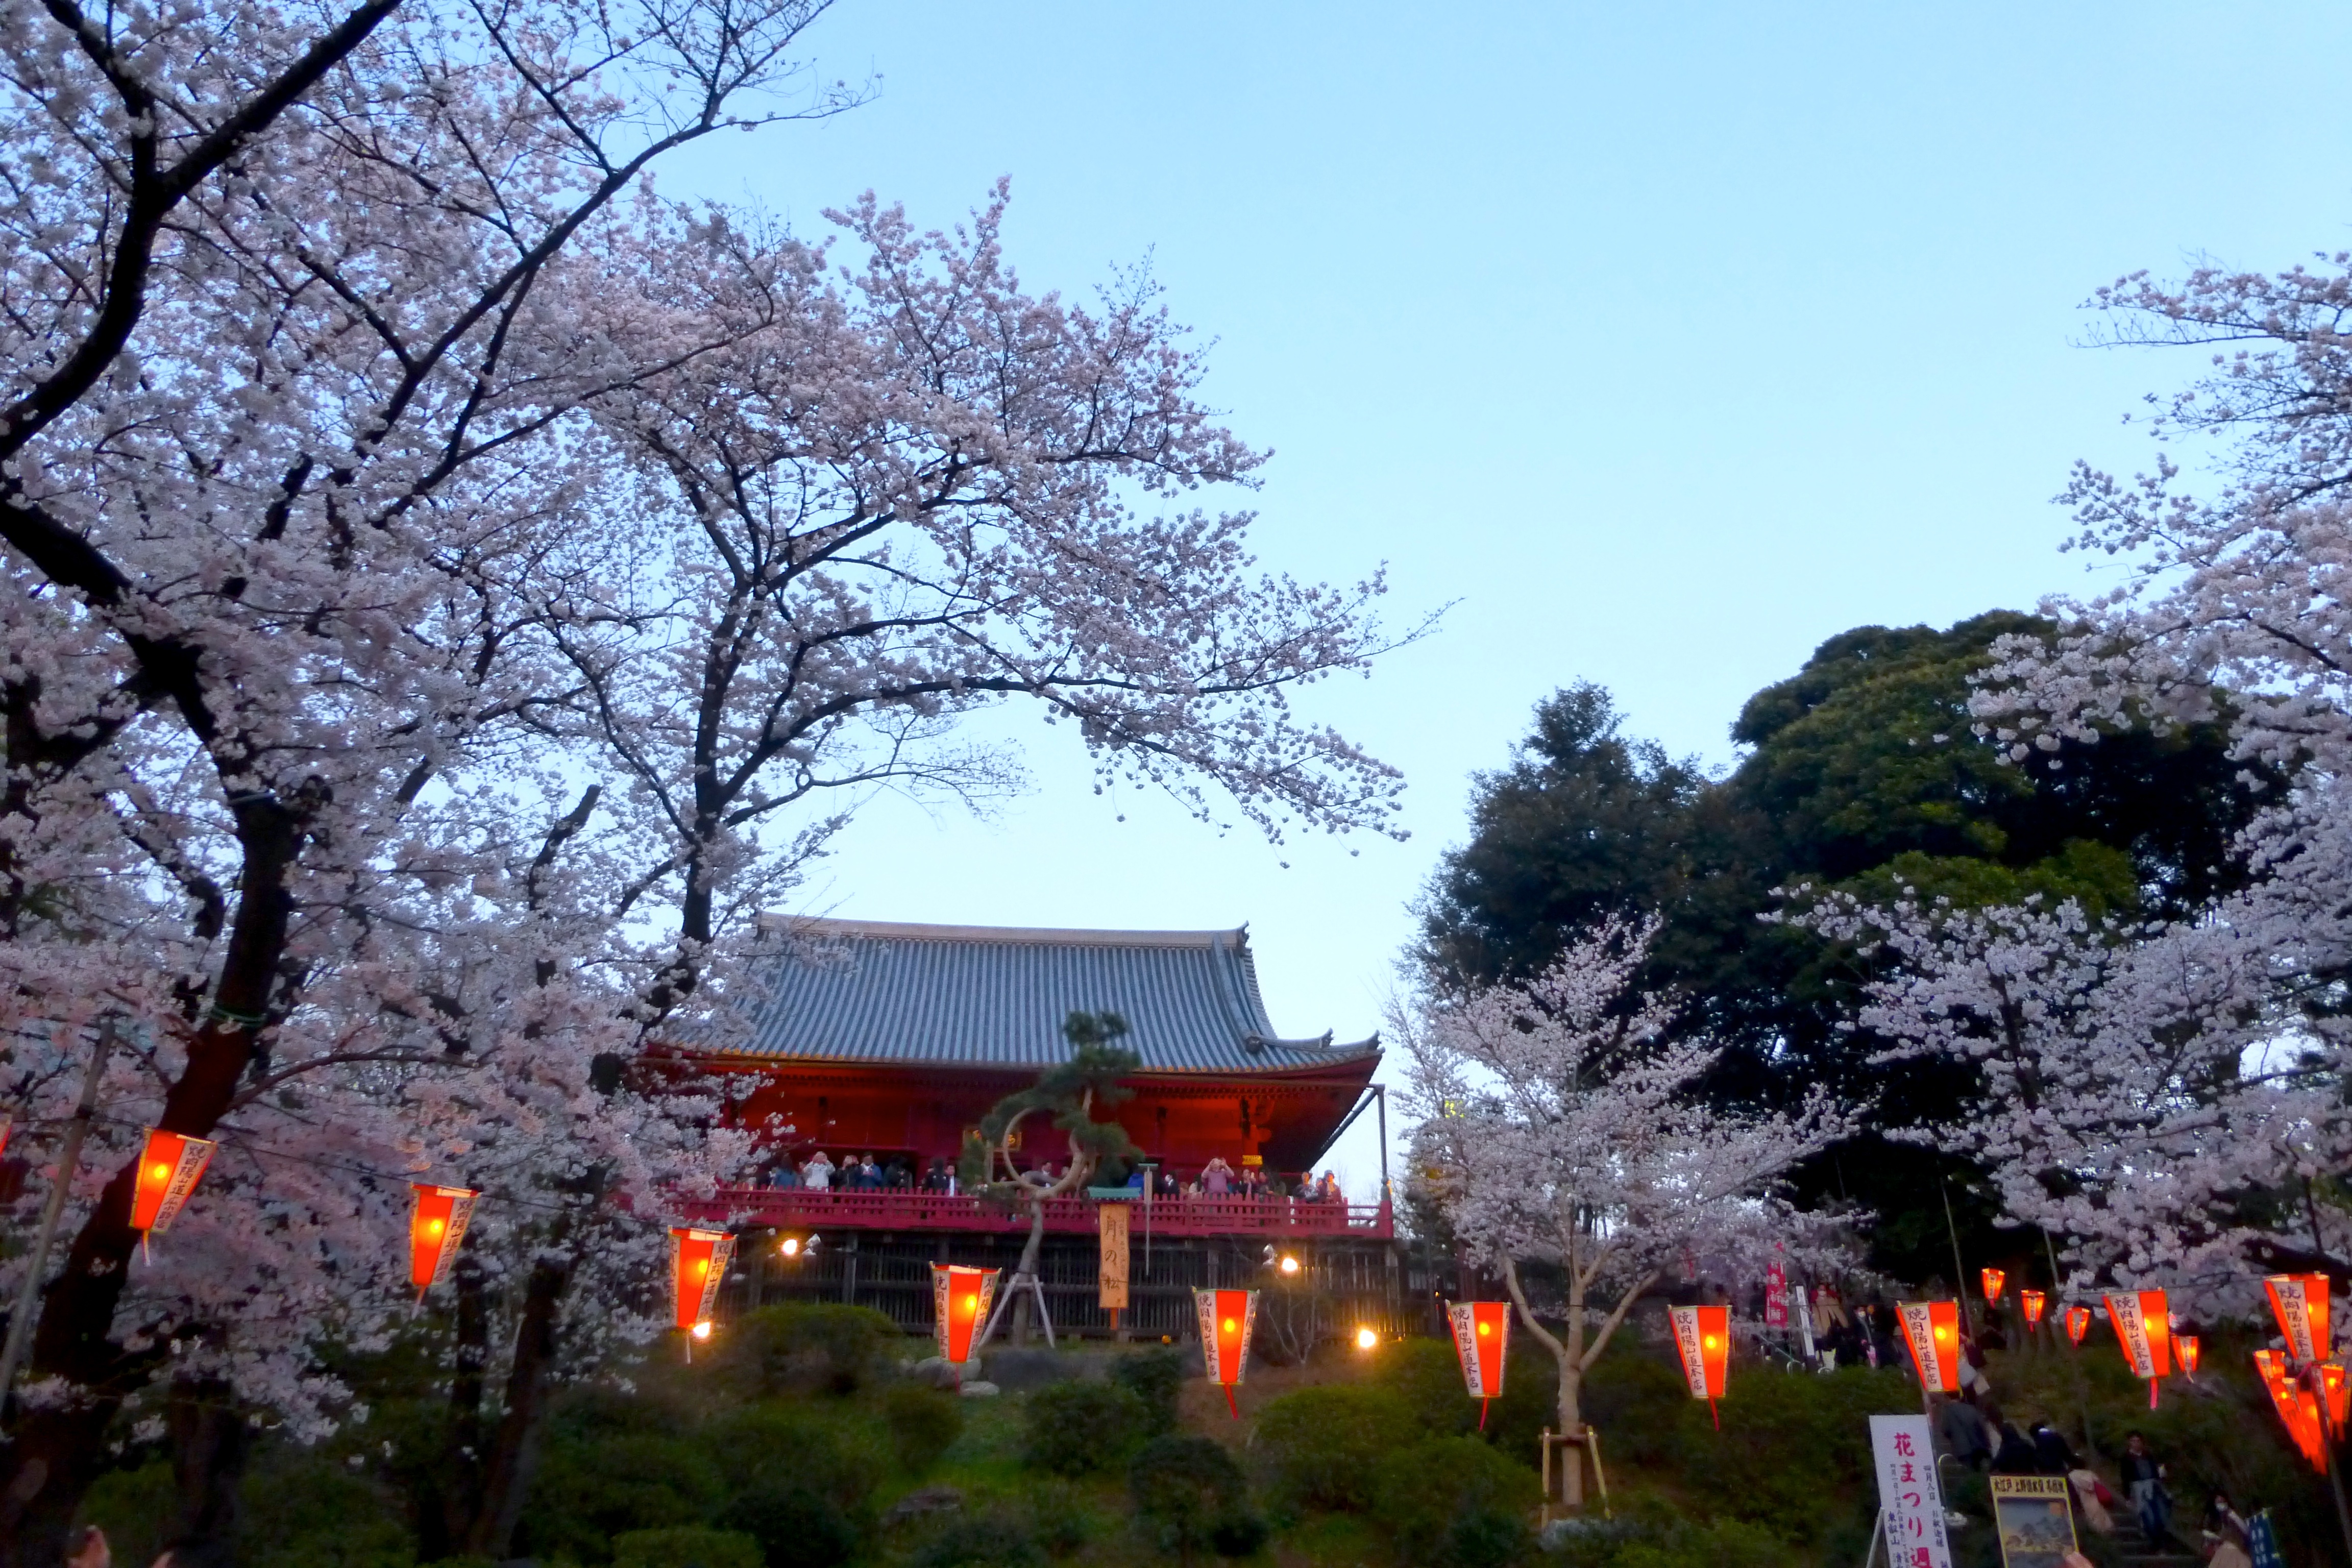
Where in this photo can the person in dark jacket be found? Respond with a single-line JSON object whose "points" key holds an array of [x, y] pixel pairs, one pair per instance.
{"points": [[2144, 1484]]}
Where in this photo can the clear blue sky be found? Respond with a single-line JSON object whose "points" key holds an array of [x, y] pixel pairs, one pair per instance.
{"points": [[1668, 340]]}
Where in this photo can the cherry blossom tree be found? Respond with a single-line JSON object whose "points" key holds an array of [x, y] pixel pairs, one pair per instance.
{"points": [[1562, 1135]]}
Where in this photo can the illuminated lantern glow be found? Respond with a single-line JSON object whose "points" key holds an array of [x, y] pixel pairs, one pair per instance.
{"points": [[2298, 1410], [2078, 1322], [1932, 1331], [2035, 1303], [1481, 1336], [1994, 1279], [2143, 1328], [2337, 1393], [1703, 1341], [697, 1263], [960, 1301], [2186, 1350], [1227, 1318], [436, 1227], [2299, 1301], [169, 1167]]}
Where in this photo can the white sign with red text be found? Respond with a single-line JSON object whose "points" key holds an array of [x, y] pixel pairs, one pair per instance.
{"points": [[1910, 1504]]}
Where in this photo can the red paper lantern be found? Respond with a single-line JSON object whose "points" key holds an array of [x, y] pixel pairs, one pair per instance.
{"points": [[960, 1300], [1482, 1334], [434, 1228], [169, 1165], [2336, 1394], [1994, 1279], [2186, 1350], [1227, 1317], [2142, 1327], [2299, 1301], [1932, 1331], [1703, 1340], [697, 1262], [2078, 1322], [2298, 1409], [2034, 1302]]}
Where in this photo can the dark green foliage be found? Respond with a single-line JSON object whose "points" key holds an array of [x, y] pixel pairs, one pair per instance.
{"points": [[1635, 1396], [801, 1347], [1078, 1093], [1079, 1428], [1427, 1375], [988, 1540], [1189, 1497], [1666, 1541], [1156, 1376], [592, 1486], [1789, 1440], [1057, 1515], [302, 1510], [1324, 1444], [924, 1422], [796, 1524], [1455, 1502], [687, 1546]]}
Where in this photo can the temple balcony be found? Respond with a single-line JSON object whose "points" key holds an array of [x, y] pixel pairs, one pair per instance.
{"points": [[799, 1208]]}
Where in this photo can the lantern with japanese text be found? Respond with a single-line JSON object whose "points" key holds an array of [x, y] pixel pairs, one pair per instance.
{"points": [[2078, 1322], [2298, 1409], [1932, 1331], [2336, 1396], [2144, 1329], [697, 1262], [2035, 1303], [2299, 1301], [1703, 1340], [1227, 1317], [1994, 1279], [960, 1300], [169, 1165], [1482, 1333], [436, 1227], [2185, 1349]]}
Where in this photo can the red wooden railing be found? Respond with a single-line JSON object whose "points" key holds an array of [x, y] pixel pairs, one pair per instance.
{"points": [[789, 1208]]}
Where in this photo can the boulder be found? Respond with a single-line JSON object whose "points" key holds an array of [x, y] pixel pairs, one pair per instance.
{"points": [[978, 1390], [1020, 1370], [921, 1503]]}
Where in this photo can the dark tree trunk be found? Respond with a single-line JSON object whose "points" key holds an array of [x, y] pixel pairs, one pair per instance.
{"points": [[452, 1495], [210, 1441], [514, 1451]]}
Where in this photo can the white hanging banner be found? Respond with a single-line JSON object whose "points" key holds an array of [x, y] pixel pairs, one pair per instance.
{"points": [[1910, 1504]]}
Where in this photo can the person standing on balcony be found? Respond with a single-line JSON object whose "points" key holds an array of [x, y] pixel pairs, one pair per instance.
{"points": [[817, 1174], [1217, 1179]]}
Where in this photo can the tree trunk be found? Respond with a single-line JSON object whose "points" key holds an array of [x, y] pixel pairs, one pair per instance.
{"points": [[453, 1492], [514, 1452], [1030, 1253], [210, 1442]]}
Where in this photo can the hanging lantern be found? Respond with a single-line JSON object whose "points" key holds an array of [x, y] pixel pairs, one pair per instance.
{"points": [[2034, 1302], [1994, 1279], [1482, 1333], [2335, 1395], [1932, 1330], [169, 1164], [2143, 1330], [1226, 1319], [2298, 1409], [2299, 1301], [1703, 1340], [960, 1300], [434, 1228], [697, 1262], [2078, 1322], [2186, 1350]]}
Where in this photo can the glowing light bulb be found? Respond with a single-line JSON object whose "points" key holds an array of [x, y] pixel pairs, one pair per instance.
{"points": [[1485, 1328], [159, 1172], [1366, 1339], [701, 1267], [1290, 1266], [791, 1246], [432, 1228], [1712, 1342], [1229, 1325], [969, 1305], [701, 1331]]}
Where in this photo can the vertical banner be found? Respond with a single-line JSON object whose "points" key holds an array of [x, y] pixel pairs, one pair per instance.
{"points": [[1111, 1277], [1910, 1506], [1775, 1296], [1805, 1328], [2034, 1517]]}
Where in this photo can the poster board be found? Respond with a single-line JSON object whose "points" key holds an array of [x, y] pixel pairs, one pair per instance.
{"points": [[1910, 1503], [2035, 1520]]}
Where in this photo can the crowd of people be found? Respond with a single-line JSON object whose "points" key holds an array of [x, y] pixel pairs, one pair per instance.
{"points": [[1217, 1179]]}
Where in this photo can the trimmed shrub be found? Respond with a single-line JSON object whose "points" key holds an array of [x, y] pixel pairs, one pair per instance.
{"points": [[1427, 1375], [821, 1347], [1789, 1441], [1057, 1514], [1325, 1443], [1157, 1377], [838, 1451], [1078, 1429], [301, 1509], [795, 1524], [923, 1422], [1453, 1503], [687, 1546], [589, 1490], [979, 1540], [1189, 1496]]}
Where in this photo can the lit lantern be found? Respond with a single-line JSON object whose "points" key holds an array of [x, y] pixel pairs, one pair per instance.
{"points": [[1932, 1331], [2299, 1301], [1227, 1317], [1482, 1334], [2078, 1322], [169, 1165], [697, 1262], [2186, 1350], [434, 1229], [2034, 1302], [2336, 1394], [2298, 1409], [960, 1301], [1703, 1340], [1994, 1279], [2144, 1330]]}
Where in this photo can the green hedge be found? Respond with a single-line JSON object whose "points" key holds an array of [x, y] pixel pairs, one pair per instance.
{"points": [[1079, 1428], [1324, 1444], [688, 1546], [1455, 1502]]}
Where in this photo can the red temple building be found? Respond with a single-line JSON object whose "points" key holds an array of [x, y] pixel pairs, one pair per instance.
{"points": [[895, 1039]]}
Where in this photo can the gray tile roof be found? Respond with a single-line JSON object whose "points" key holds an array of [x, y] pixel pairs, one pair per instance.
{"points": [[994, 996]]}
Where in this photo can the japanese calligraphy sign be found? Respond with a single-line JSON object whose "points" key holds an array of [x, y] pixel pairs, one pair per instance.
{"points": [[1910, 1505], [2299, 1303], [1111, 1278], [1775, 1296], [2034, 1519], [1932, 1330]]}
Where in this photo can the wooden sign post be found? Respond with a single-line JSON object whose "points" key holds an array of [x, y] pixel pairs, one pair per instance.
{"points": [[1112, 1278]]}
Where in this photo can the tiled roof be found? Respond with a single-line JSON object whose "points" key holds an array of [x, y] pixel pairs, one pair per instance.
{"points": [[994, 996]]}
